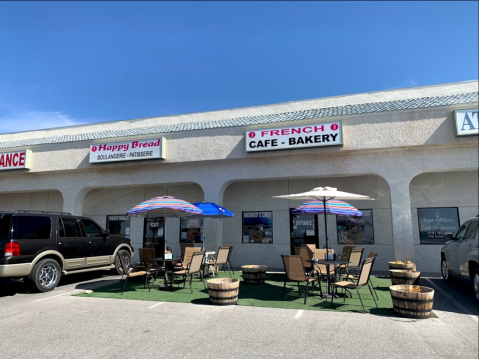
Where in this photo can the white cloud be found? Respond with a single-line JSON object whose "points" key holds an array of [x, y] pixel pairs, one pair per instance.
{"points": [[18, 121], [407, 82]]}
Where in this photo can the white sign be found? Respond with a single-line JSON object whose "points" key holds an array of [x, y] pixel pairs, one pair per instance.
{"points": [[127, 151], [466, 122], [15, 160], [287, 138]]}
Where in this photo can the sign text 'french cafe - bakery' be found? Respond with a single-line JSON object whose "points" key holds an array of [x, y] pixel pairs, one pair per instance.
{"points": [[287, 138], [127, 151]]}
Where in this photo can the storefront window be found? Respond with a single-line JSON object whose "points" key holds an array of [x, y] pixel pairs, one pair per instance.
{"points": [[434, 223], [356, 229], [118, 225], [191, 230], [257, 227]]}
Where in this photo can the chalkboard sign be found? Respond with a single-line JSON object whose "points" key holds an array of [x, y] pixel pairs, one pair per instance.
{"points": [[434, 223]]}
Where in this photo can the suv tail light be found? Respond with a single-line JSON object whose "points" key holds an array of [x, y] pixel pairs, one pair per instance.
{"points": [[12, 249]]}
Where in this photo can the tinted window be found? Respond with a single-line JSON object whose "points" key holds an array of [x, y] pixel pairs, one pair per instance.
{"points": [[471, 230], [25, 227], [5, 226], [462, 231], [91, 228], [70, 227]]}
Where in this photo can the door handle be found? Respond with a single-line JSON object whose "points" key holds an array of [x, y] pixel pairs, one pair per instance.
{"points": [[62, 244]]}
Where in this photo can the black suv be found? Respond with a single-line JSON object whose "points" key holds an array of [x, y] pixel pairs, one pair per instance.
{"points": [[41, 246]]}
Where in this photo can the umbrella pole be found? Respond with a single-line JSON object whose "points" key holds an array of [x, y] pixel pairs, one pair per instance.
{"points": [[326, 228]]}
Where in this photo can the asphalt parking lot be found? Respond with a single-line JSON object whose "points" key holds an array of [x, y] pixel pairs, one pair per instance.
{"points": [[59, 325]]}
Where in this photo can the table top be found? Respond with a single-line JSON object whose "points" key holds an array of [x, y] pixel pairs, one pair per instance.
{"points": [[328, 261], [161, 259]]}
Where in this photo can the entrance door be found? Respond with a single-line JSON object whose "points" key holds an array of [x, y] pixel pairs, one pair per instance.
{"points": [[304, 230], [155, 235]]}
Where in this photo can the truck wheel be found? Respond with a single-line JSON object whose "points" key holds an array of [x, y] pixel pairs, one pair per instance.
{"points": [[475, 282], [446, 275], [45, 275], [126, 258]]}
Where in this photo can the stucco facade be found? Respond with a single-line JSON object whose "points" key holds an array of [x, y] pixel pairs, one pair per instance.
{"points": [[399, 147]]}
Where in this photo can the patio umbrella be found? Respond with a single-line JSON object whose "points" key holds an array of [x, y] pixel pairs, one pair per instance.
{"points": [[323, 195], [333, 206], [212, 210], [166, 206]]}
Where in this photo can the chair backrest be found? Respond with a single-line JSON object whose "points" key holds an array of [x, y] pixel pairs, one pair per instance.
{"points": [[355, 257], [189, 254], [222, 256], [123, 266], [196, 261], [311, 247], [319, 253], [346, 252], [168, 249], [183, 246], [365, 271], [146, 256], [231, 249], [293, 266], [372, 255], [306, 254]]}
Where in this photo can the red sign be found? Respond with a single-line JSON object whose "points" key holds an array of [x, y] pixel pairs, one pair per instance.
{"points": [[15, 160]]}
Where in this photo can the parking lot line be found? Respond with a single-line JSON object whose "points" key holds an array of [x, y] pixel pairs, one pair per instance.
{"points": [[455, 302], [153, 306], [299, 314], [59, 295]]}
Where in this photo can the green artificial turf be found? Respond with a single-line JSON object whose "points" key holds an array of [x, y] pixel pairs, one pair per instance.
{"points": [[266, 295]]}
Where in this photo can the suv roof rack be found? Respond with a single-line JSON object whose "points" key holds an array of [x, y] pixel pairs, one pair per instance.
{"points": [[33, 211]]}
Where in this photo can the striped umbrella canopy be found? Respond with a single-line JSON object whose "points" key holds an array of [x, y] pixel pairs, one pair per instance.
{"points": [[333, 206], [166, 206]]}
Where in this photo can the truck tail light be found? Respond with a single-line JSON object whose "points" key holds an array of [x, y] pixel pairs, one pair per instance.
{"points": [[12, 249]]}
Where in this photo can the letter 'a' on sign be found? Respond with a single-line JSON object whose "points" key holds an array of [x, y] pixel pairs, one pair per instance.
{"points": [[287, 138], [17, 160], [466, 122]]}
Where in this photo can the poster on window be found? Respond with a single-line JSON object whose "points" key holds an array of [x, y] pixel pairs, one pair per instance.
{"points": [[257, 227], [434, 223], [356, 229], [191, 230]]}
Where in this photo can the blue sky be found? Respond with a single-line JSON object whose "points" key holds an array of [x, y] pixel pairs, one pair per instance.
{"points": [[67, 63]]}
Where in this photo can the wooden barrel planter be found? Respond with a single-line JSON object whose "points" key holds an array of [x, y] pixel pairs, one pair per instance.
{"points": [[402, 276], [412, 304], [400, 265], [254, 274], [223, 291]]}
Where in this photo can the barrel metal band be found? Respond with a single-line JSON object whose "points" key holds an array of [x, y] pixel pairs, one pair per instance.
{"points": [[223, 290], [414, 300], [412, 310], [223, 298]]}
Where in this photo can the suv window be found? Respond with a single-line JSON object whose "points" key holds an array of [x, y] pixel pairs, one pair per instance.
{"points": [[471, 230], [69, 227], [91, 228], [5, 226], [26, 227], [462, 231]]}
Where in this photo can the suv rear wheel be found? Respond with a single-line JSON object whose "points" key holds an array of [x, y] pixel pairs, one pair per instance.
{"points": [[45, 275]]}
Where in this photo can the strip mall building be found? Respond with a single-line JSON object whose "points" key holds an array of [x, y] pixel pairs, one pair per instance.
{"points": [[414, 150]]}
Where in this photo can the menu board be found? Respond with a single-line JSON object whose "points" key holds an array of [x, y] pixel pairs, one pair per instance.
{"points": [[434, 223]]}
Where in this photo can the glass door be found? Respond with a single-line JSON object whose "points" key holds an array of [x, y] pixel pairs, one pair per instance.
{"points": [[304, 230], [154, 235]]}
